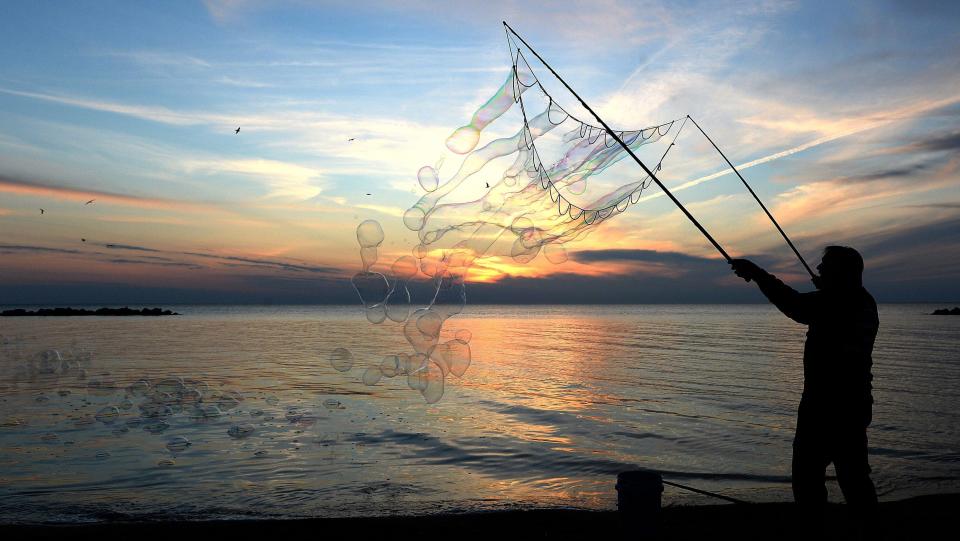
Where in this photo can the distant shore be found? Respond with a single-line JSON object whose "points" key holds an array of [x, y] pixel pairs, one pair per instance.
{"points": [[63, 312], [923, 517]]}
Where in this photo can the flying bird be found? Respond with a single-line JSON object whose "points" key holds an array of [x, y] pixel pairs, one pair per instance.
{"points": [[42, 211], [488, 184], [352, 139], [236, 131], [83, 240], [368, 194], [90, 201]]}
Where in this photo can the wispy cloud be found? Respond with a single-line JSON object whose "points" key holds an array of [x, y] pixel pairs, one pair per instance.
{"points": [[153, 113], [39, 189], [283, 179]]}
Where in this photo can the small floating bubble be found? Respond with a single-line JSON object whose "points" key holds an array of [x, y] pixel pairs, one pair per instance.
{"points": [[156, 427], [261, 453], [294, 414], [463, 335], [169, 385], [50, 437], [428, 178], [63, 393], [341, 359], [256, 413], [332, 404], [178, 444], [372, 375], [166, 462], [126, 405], [155, 409], [208, 411], [272, 400], [555, 253], [42, 398], [102, 455], [119, 431], [369, 234], [227, 403], [389, 366], [240, 431], [108, 415], [139, 388], [404, 268], [191, 396]]}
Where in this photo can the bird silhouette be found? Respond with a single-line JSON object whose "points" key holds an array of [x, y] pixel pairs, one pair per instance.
{"points": [[236, 131], [42, 211], [90, 201], [488, 184], [352, 139], [368, 194], [83, 240]]}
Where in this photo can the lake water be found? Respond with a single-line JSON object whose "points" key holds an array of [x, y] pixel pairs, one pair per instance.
{"points": [[556, 401]]}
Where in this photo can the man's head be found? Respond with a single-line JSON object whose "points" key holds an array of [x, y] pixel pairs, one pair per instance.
{"points": [[840, 267]]}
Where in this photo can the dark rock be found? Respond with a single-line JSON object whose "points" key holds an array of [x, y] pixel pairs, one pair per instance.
{"points": [[947, 311]]}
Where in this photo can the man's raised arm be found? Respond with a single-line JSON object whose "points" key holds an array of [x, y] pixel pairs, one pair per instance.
{"points": [[797, 306]]}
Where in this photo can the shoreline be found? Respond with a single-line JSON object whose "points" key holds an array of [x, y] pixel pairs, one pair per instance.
{"points": [[920, 517]]}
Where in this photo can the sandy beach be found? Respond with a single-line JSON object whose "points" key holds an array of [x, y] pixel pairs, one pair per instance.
{"points": [[923, 517]]}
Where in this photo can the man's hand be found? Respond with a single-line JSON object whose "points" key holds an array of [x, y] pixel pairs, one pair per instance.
{"points": [[746, 269], [817, 282]]}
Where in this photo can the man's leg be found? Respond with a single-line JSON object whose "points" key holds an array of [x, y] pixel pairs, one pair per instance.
{"points": [[810, 462], [853, 472], [809, 474]]}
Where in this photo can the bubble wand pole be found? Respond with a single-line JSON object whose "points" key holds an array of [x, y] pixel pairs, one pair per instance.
{"points": [[616, 138], [764, 207]]}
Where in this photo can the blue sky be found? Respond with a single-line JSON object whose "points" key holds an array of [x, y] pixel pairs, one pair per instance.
{"points": [[850, 111]]}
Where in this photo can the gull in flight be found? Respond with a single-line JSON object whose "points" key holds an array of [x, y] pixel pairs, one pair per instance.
{"points": [[42, 211], [90, 201], [352, 139], [236, 131]]}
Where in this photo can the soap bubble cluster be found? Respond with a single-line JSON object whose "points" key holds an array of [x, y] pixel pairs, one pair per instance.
{"points": [[544, 189], [81, 403], [388, 297]]}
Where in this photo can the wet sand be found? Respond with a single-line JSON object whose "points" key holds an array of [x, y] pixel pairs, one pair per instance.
{"points": [[926, 517]]}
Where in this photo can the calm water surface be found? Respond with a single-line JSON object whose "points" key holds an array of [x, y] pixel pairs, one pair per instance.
{"points": [[557, 400]]}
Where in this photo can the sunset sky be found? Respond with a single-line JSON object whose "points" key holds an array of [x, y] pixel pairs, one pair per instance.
{"points": [[851, 113]]}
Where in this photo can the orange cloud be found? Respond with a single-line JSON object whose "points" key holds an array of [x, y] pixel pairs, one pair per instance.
{"points": [[31, 189]]}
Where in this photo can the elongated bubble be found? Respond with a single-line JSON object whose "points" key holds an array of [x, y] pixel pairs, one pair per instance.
{"points": [[369, 257], [465, 138]]}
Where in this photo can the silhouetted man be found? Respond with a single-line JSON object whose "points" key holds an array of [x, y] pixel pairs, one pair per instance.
{"points": [[835, 409]]}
